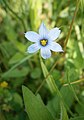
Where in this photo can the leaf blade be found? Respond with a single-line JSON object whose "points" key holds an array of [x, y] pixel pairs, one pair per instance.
{"points": [[35, 108]]}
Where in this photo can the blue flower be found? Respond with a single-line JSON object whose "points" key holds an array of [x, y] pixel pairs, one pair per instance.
{"points": [[45, 41]]}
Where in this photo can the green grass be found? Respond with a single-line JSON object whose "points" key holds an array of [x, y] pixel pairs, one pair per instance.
{"points": [[55, 87]]}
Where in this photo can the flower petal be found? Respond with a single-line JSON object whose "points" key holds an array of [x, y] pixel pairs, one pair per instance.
{"points": [[32, 36], [43, 30], [55, 47], [54, 33], [45, 53], [33, 48]]}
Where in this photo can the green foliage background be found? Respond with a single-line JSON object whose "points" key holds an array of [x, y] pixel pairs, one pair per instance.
{"points": [[18, 68]]}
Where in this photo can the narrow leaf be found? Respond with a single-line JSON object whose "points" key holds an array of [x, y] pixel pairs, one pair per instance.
{"points": [[49, 80], [16, 65], [78, 118], [64, 115], [16, 73]]}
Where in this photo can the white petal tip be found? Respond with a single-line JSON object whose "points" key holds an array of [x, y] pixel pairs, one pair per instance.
{"points": [[59, 30], [61, 51], [54, 33], [45, 53]]}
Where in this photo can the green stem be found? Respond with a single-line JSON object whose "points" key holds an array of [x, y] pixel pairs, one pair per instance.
{"points": [[75, 82], [69, 33]]}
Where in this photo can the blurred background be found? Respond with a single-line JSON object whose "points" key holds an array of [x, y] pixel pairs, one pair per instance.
{"points": [[19, 68]]}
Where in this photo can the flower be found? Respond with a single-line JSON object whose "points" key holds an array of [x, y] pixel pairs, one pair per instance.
{"points": [[4, 84], [45, 41]]}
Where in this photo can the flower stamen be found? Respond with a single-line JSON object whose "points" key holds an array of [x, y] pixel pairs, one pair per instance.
{"points": [[43, 42]]}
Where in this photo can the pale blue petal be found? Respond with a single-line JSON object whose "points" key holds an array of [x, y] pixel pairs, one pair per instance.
{"points": [[43, 31], [55, 47], [33, 48], [32, 36], [54, 33], [45, 53]]}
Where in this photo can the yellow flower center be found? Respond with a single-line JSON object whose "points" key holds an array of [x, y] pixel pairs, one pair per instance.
{"points": [[44, 42]]}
